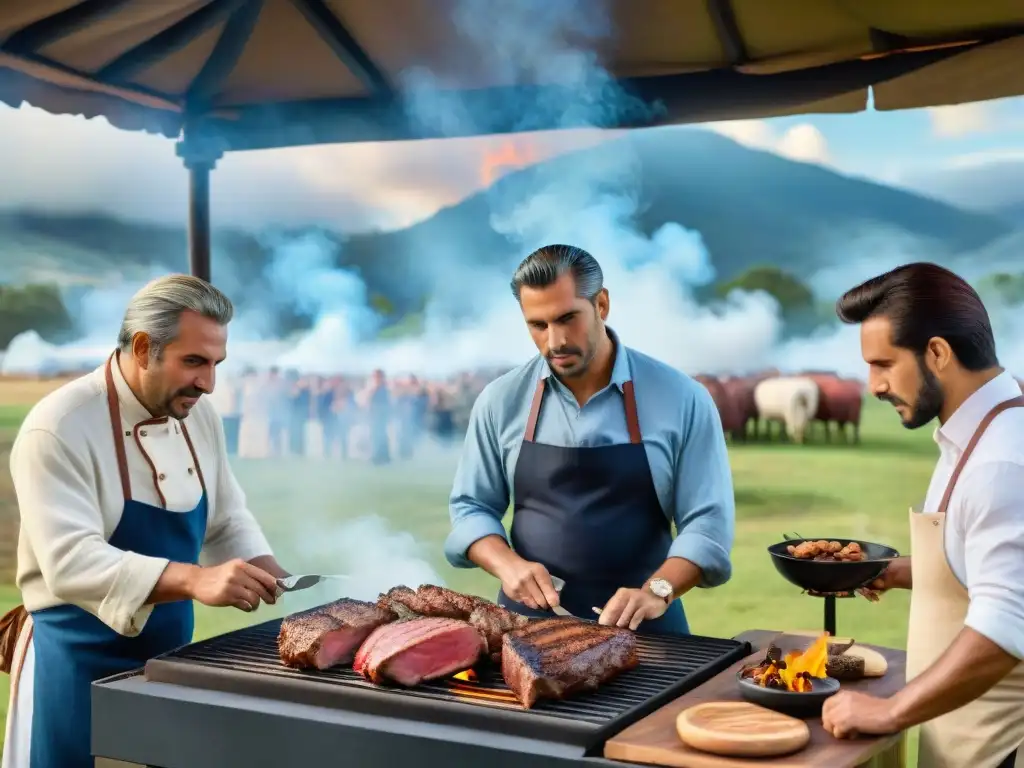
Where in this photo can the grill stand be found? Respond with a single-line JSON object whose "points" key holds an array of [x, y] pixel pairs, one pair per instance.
{"points": [[830, 607]]}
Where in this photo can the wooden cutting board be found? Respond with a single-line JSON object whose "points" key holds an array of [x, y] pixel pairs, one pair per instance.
{"points": [[741, 729]]}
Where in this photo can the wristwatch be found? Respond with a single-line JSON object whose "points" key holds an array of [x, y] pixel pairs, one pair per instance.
{"points": [[661, 588]]}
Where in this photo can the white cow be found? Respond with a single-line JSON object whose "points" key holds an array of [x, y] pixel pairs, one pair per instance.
{"points": [[793, 400]]}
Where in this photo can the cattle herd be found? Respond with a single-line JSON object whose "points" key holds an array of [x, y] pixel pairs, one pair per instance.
{"points": [[749, 406]]}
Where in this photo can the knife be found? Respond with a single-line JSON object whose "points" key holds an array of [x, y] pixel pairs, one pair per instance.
{"points": [[298, 583]]}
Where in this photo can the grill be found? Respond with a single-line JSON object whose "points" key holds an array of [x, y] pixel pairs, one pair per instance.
{"points": [[246, 662]]}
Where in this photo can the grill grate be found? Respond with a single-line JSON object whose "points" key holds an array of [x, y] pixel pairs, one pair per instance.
{"points": [[246, 661]]}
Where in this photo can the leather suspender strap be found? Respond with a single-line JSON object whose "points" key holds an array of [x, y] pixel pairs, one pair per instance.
{"points": [[632, 420], [115, 422], [195, 458], [1017, 402], [538, 399], [628, 400]]}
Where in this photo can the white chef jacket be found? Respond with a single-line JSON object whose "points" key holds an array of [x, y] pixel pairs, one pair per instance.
{"points": [[984, 534], [69, 494]]}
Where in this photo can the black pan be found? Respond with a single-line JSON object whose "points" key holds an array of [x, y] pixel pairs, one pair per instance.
{"points": [[826, 576], [789, 702]]}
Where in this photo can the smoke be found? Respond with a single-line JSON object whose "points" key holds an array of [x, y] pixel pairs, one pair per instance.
{"points": [[471, 320], [370, 555]]}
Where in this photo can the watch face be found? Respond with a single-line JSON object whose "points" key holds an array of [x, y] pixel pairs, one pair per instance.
{"points": [[661, 588]]}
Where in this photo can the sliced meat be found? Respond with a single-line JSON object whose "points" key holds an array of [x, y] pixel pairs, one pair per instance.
{"points": [[329, 635], [410, 652], [494, 622], [551, 658]]}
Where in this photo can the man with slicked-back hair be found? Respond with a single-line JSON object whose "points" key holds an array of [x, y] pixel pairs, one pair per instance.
{"points": [[928, 343], [600, 449]]}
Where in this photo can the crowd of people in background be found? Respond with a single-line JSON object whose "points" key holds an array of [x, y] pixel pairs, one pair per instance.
{"points": [[377, 418]]}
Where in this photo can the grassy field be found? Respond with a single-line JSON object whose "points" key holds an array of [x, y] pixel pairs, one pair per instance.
{"points": [[386, 525]]}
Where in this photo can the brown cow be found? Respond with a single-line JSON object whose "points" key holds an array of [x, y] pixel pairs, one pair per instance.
{"points": [[741, 391], [727, 410], [840, 401]]}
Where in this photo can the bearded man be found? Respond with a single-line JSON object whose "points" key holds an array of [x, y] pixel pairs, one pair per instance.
{"points": [[928, 342]]}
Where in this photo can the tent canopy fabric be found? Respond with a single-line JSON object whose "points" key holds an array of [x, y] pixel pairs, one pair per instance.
{"points": [[250, 74]]}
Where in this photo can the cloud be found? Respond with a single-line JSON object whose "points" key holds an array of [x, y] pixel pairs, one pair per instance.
{"points": [[805, 143], [69, 163], [961, 119], [802, 142]]}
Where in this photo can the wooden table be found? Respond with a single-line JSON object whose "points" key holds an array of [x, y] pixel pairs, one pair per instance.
{"points": [[653, 740]]}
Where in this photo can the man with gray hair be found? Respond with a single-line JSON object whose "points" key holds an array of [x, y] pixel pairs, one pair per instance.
{"points": [[124, 488], [600, 449]]}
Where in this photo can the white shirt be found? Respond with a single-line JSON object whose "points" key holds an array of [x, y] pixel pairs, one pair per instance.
{"points": [[69, 494], [984, 538]]}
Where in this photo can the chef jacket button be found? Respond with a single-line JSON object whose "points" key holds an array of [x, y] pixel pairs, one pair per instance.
{"points": [[127, 433], [163, 477], [143, 433], [190, 470]]}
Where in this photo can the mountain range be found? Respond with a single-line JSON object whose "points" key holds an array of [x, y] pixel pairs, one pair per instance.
{"points": [[988, 185], [750, 207]]}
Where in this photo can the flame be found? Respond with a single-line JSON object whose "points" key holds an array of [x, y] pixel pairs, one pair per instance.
{"points": [[801, 666], [466, 683], [509, 156], [796, 671]]}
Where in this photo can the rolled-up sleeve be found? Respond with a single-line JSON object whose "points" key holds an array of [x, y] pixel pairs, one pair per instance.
{"points": [[705, 506], [993, 528], [233, 531], [480, 495], [61, 517]]}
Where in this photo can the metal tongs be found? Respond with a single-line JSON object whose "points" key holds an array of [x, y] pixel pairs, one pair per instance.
{"points": [[298, 583], [559, 585]]}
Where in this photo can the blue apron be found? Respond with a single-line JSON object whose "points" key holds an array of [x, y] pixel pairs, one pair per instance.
{"points": [[592, 517], [73, 648]]}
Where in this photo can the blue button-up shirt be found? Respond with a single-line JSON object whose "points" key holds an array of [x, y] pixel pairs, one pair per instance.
{"points": [[682, 434]]}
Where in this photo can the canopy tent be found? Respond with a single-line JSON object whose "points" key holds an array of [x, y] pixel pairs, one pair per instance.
{"points": [[226, 75]]}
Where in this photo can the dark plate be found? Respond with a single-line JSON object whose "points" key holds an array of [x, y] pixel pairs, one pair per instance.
{"points": [[798, 704], [825, 576]]}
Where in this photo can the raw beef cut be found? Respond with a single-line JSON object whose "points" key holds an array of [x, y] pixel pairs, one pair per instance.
{"points": [[410, 652]]}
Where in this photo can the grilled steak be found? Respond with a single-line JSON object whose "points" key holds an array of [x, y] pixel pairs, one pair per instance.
{"points": [[494, 622], [328, 635], [410, 652], [550, 658], [431, 600]]}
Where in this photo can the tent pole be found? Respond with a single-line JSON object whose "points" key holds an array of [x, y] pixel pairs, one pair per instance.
{"points": [[199, 158]]}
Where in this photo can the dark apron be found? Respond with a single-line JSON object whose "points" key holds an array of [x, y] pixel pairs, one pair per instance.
{"points": [[73, 648], [592, 517]]}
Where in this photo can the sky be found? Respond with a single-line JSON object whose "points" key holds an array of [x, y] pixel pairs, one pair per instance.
{"points": [[69, 163]]}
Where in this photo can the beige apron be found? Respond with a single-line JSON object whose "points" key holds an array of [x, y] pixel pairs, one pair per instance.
{"points": [[983, 733]]}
